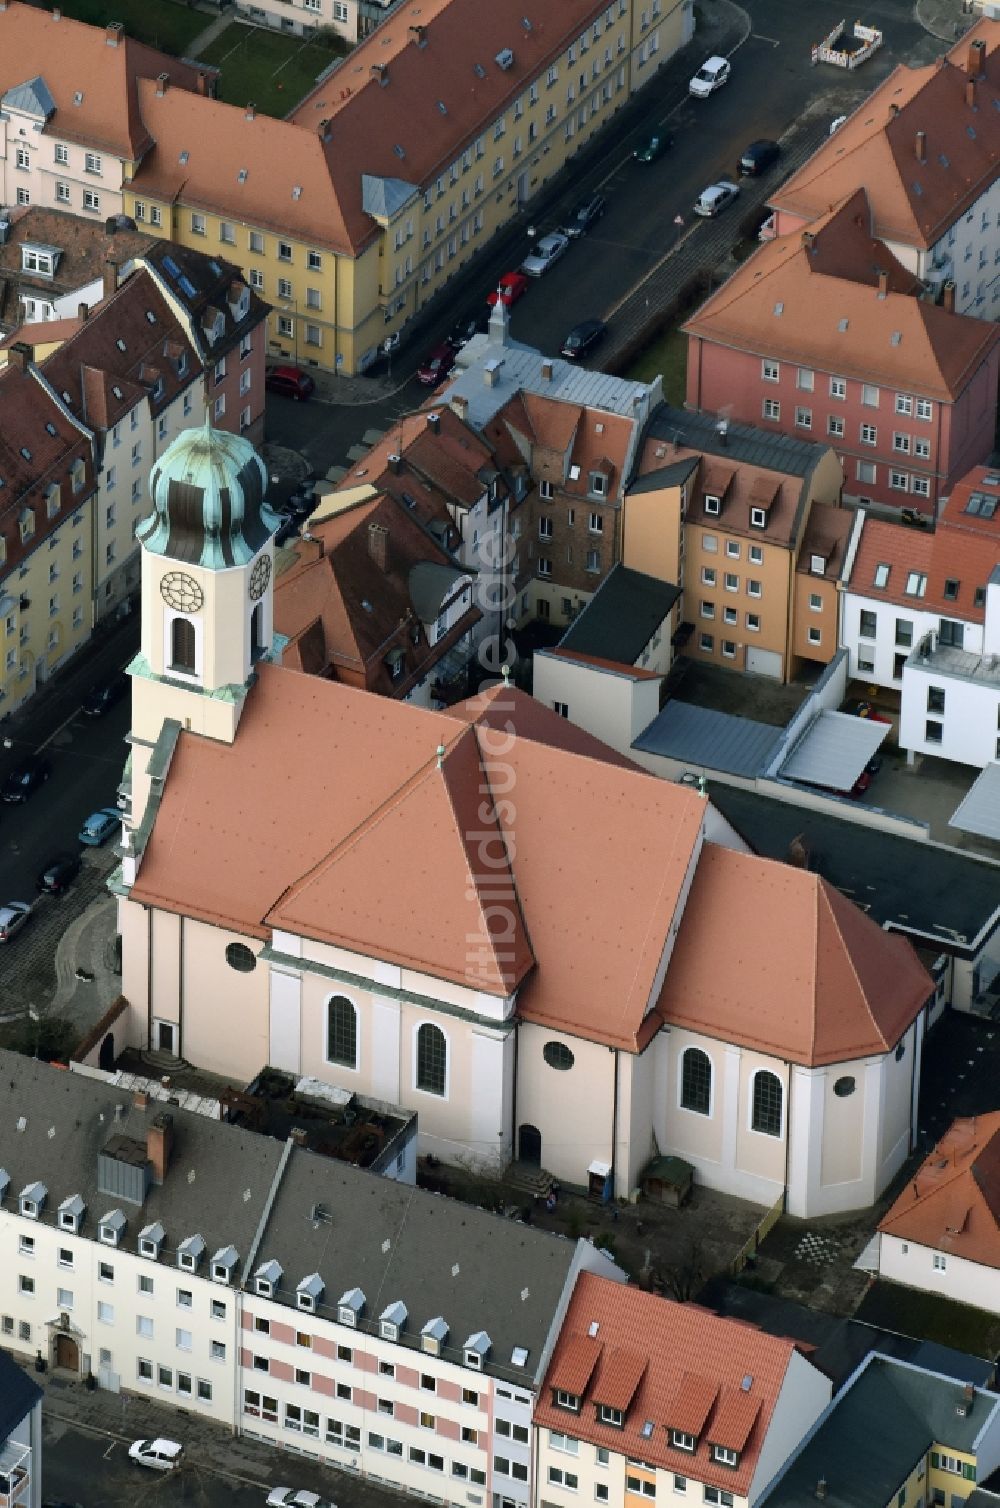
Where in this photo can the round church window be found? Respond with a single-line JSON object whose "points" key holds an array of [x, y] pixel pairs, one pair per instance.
{"points": [[843, 1087], [259, 577], [558, 1055], [240, 958]]}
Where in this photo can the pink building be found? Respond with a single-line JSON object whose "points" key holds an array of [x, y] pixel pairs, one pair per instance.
{"points": [[824, 334]]}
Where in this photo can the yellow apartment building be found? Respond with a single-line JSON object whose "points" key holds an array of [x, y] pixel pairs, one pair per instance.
{"points": [[400, 165]]}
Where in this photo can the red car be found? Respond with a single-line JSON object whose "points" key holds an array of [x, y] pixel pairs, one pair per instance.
{"points": [[437, 366], [865, 709], [511, 287], [290, 382]]}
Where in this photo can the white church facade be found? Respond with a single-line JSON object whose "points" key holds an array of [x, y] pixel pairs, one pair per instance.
{"points": [[483, 915]]}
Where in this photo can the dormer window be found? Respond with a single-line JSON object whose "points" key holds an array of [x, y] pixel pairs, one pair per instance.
{"points": [[39, 260], [566, 1400], [308, 1292], [350, 1306], [476, 1349], [724, 1456], [4, 1184], [758, 518], [473, 1359], [157, 389], [395, 662], [267, 1278], [606, 1415], [224, 1264], [31, 1200], [150, 1241], [713, 504], [190, 1253], [111, 1229], [681, 1440], [598, 483], [392, 1321], [71, 1213], [433, 1336], [817, 564]]}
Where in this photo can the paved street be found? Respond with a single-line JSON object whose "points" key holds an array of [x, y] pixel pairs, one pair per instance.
{"points": [[771, 85]]}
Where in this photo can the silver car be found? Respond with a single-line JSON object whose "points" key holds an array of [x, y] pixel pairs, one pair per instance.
{"points": [[13, 916], [715, 198], [549, 249]]}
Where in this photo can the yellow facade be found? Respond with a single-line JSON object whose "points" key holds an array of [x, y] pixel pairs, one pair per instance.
{"points": [[332, 310], [45, 607]]}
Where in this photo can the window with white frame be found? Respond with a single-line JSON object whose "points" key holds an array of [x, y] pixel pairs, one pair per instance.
{"points": [[771, 408], [770, 371]]}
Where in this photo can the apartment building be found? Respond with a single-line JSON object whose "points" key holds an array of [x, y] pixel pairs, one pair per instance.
{"points": [[895, 1433], [920, 146], [347, 258], [372, 599], [350, 19], [648, 1399], [20, 1437], [569, 440], [51, 262], [940, 1235], [725, 511], [824, 333], [920, 614], [281, 1292], [71, 134]]}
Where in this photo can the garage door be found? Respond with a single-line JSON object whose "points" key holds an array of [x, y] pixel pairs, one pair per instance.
{"points": [[764, 662]]}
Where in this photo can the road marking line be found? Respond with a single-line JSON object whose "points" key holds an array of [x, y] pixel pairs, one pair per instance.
{"points": [[655, 268], [756, 36], [57, 731]]}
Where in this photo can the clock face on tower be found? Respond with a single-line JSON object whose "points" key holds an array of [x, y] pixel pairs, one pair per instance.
{"points": [[181, 592], [259, 577]]}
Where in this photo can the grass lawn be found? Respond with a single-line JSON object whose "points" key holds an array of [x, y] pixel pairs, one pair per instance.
{"points": [[165, 24], [668, 355], [257, 64]]}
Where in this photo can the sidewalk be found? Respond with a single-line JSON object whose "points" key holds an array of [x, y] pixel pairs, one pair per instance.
{"points": [[212, 30], [946, 19]]}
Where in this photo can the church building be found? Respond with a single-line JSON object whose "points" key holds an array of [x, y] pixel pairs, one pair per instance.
{"points": [[481, 914]]}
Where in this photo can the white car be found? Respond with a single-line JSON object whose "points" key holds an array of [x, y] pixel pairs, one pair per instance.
{"points": [[285, 1497], [715, 198], [549, 249], [710, 76], [160, 1455]]}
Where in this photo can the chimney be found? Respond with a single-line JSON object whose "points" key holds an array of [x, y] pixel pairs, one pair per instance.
{"points": [[434, 423], [162, 84], [19, 355], [807, 239], [378, 545], [113, 33], [546, 371], [159, 1144], [419, 34], [205, 83], [976, 58], [251, 111], [56, 14], [323, 130], [395, 464], [883, 282], [110, 276], [970, 93], [893, 110], [921, 146], [380, 71], [140, 1099], [965, 1400], [460, 406], [948, 296], [82, 311]]}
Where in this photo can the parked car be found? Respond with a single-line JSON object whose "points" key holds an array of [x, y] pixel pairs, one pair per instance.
{"points": [[545, 254], [102, 697], [285, 1497], [26, 779], [866, 777], [586, 215], [655, 147], [290, 382], [160, 1454], [13, 916], [464, 329], [712, 74], [713, 200], [436, 365], [511, 287], [583, 338], [99, 826], [865, 709], [758, 157], [59, 873]]}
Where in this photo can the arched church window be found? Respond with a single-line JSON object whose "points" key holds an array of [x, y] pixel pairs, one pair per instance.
{"points": [[257, 645], [341, 1032], [432, 1058], [766, 1103], [696, 1081], [182, 645]]}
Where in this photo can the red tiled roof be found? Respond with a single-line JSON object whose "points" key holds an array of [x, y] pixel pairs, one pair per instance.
{"points": [[633, 672], [621, 1374], [899, 547], [575, 1367], [696, 1366], [957, 560], [953, 1203]]}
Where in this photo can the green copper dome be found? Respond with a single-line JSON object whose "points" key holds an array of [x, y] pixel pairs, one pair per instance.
{"points": [[208, 500]]}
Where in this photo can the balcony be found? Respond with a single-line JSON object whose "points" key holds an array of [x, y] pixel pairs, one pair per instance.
{"points": [[15, 1475], [946, 660]]}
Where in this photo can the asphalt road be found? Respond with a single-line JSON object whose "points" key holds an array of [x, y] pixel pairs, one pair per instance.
{"points": [[85, 1468], [771, 84]]}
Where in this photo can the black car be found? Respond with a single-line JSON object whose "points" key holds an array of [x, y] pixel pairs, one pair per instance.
{"points": [[586, 215], [59, 873], [25, 780], [464, 329], [758, 157], [102, 697], [583, 337]]}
